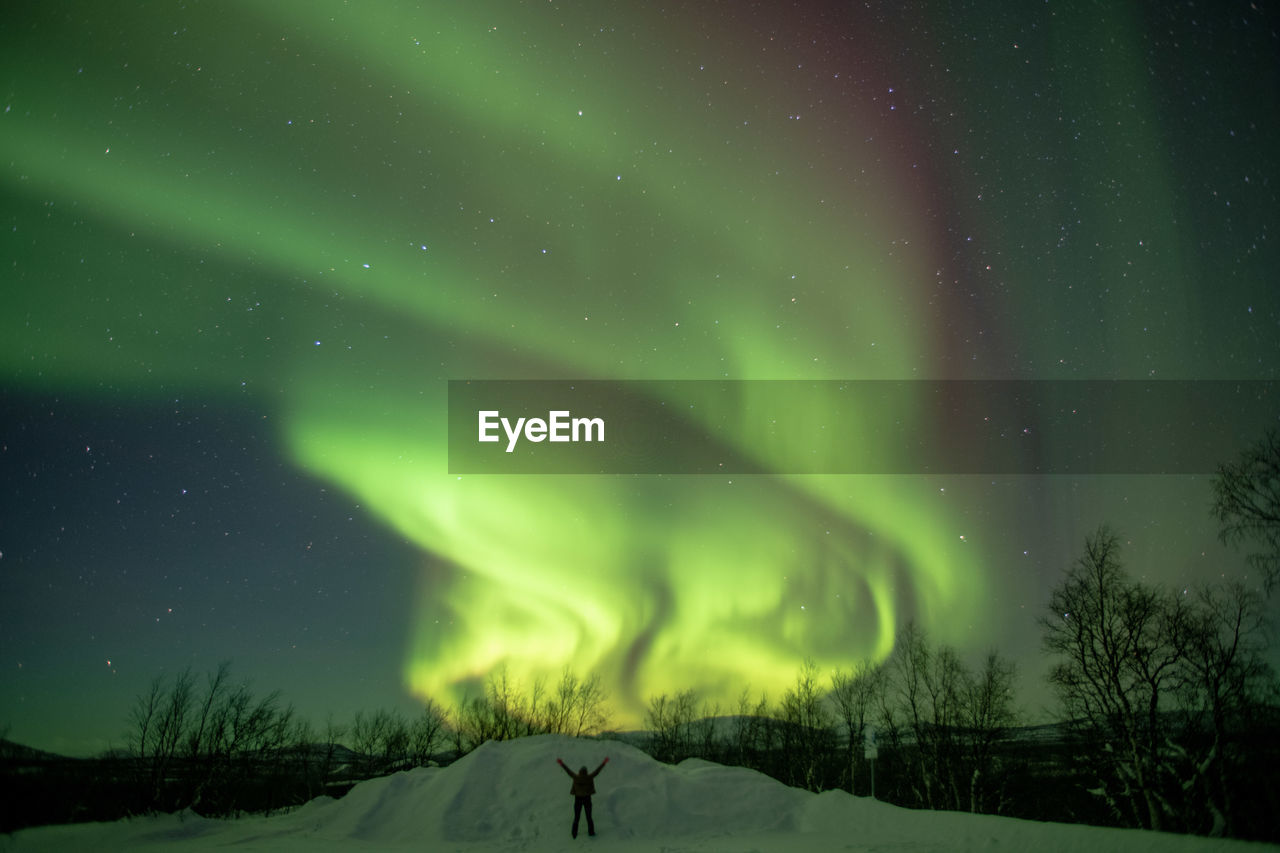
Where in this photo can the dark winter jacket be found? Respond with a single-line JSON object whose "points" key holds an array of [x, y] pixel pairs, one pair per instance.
{"points": [[583, 782]]}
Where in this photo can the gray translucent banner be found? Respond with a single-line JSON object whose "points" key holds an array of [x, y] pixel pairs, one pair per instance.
{"points": [[854, 427]]}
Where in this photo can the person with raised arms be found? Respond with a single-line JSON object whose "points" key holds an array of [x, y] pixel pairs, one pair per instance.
{"points": [[583, 787]]}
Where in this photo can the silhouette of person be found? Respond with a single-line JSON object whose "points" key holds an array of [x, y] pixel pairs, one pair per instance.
{"points": [[583, 787]]}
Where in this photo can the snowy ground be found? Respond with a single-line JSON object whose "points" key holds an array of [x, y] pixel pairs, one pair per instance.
{"points": [[511, 796]]}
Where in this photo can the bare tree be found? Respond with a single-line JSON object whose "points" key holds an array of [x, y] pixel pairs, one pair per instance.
{"points": [[577, 708], [752, 730], [382, 741], [333, 735], [217, 684], [987, 714], [1226, 682], [704, 734], [1246, 500], [457, 735], [494, 715], [1118, 644], [853, 694], [143, 717], [507, 708], [585, 701], [806, 729], [942, 721], [928, 686], [198, 752], [670, 721], [427, 733], [158, 719]]}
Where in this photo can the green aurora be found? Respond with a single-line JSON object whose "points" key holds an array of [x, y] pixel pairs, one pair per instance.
{"points": [[326, 210]]}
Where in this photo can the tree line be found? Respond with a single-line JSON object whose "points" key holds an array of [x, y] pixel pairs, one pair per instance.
{"points": [[218, 748]]}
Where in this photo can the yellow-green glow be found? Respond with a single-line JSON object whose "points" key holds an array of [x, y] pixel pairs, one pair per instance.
{"points": [[438, 208], [656, 583]]}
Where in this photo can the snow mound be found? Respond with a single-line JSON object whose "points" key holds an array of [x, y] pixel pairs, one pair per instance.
{"points": [[514, 791]]}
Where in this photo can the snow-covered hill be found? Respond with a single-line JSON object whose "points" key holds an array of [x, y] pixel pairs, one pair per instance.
{"points": [[512, 797]]}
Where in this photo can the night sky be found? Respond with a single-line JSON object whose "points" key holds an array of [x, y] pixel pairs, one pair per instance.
{"points": [[246, 245]]}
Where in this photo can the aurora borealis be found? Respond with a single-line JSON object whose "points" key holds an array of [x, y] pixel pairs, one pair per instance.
{"points": [[246, 245]]}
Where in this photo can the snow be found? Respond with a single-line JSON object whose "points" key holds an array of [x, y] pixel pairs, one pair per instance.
{"points": [[511, 796]]}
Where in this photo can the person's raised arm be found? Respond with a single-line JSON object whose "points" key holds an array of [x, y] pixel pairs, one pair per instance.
{"points": [[601, 767], [566, 769]]}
